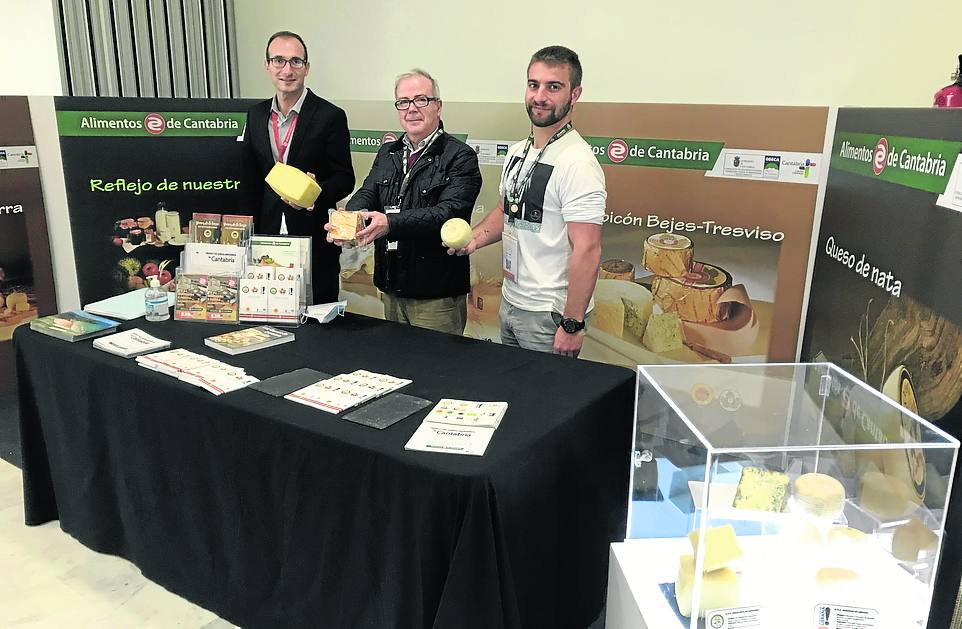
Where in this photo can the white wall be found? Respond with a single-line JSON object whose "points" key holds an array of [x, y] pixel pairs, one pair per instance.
{"points": [[851, 52], [30, 61]]}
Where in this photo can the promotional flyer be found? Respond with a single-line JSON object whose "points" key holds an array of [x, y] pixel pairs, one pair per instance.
{"points": [[736, 186], [26, 275], [136, 170]]}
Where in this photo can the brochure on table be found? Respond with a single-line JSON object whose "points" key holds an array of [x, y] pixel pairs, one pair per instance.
{"points": [[458, 427], [755, 499]]}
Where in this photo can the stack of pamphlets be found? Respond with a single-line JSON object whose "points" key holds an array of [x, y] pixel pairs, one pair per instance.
{"points": [[346, 390], [248, 339], [199, 370], [458, 427], [130, 343], [75, 325], [125, 307]]}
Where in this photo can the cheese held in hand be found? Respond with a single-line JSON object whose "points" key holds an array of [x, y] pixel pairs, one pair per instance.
{"points": [[293, 185], [456, 233]]}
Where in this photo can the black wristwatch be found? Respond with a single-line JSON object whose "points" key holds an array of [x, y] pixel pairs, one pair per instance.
{"points": [[571, 326]]}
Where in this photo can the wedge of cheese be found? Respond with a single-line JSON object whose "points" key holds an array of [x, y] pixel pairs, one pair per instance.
{"points": [[663, 333], [721, 547], [293, 185], [910, 539], [886, 496], [621, 307], [719, 588]]}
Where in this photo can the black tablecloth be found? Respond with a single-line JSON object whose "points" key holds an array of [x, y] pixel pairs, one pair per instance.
{"points": [[273, 514]]}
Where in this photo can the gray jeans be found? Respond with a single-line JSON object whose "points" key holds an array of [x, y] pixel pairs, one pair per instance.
{"points": [[530, 330]]}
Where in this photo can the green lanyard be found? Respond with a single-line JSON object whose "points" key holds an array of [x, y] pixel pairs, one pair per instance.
{"points": [[514, 189]]}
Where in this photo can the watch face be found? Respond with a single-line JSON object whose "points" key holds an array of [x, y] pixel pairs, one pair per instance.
{"points": [[571, 326]]}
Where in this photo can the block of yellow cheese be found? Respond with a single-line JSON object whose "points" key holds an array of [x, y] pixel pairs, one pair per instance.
{"points": [[910, 539], [719, 588], [293, 184], [455, 233], [721, 547], [345, 224]]}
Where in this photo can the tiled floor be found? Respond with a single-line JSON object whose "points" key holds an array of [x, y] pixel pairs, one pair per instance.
{"points": [[50, 581]]}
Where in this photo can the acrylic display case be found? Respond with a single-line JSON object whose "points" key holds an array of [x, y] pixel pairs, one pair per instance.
{"points": [[779, 495]]}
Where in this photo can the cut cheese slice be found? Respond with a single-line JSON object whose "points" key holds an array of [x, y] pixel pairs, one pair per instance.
{"points": [[719, 588], [663, 333], [621, 307], [826, 577], [721, 547], [293, 185], [910, 539], [344, 224], [761, 490]]}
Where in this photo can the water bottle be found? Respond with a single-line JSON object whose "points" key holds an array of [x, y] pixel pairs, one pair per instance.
{"points": [[156, 301]]}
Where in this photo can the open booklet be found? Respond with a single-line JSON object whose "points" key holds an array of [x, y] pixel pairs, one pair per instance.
{"points": [[458, 427]]}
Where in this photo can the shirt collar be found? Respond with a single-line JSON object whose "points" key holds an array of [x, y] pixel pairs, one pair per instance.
{"points": [[423, 143], [296, 108]]}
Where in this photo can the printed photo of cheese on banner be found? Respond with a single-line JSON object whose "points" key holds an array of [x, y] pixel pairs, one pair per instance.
{"points": [[705, 242]]}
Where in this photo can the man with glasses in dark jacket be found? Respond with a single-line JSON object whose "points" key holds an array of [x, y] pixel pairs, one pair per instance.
{"points": [[416, 184], [299, 128]]}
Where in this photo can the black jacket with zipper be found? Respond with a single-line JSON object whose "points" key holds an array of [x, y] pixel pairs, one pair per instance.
{"points": [[444, 183]]}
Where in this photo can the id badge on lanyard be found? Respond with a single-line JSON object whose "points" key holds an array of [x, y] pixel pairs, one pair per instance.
{"points": [[510, 253], [392, 209]]}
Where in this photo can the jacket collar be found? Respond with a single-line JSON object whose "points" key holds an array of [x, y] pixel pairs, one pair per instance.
{"points": [[436, 147]]}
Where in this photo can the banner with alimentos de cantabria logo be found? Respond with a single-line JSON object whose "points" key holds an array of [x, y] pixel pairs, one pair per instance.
{"points": [[136, 170], [885, 300], [708, 225]]}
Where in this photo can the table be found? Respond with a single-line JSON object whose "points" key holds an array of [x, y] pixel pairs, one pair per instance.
{"points": [[273, 514]]}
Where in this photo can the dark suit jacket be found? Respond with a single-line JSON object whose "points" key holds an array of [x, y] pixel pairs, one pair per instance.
{"points": [[321, 145]]}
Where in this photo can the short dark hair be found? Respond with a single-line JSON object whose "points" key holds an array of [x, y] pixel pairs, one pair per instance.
{"points": [[559, 56], [267, 51]]}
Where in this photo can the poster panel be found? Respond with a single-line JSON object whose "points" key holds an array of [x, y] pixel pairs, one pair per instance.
{"points": [[26, 275], [136, 170], [737, 184]]}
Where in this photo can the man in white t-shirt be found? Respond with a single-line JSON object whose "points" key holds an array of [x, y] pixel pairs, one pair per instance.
{"points": [[549, 217]]}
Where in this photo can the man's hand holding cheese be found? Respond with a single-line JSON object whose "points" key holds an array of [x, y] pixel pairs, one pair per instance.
{"points": [[549, 218]]}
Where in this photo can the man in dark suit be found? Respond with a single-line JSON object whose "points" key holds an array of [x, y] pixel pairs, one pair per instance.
{"points": [[301, 129]]}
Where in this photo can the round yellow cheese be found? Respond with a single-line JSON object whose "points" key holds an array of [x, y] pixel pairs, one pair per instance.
{"points": [[819, 495], [456, 233]]}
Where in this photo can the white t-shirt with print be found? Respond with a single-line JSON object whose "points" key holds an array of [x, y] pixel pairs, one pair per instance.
{"points": [[567, 186]]}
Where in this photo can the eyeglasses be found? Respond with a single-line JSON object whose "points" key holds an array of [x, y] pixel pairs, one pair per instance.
{"points": [[419, 101], [279, 62]]}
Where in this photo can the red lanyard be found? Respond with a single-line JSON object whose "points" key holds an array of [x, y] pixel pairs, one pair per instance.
{"points": [[282, 148]]}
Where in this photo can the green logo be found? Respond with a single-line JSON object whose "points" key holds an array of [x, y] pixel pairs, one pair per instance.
{"points": [[920, 163], [688, 154], [146, 124]]}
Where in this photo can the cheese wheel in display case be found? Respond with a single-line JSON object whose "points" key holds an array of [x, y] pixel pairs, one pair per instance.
{"points": [[885, 496], [819, 495], [668, 255], [696, 297], [621, 308], [617, 270]]}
